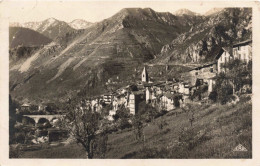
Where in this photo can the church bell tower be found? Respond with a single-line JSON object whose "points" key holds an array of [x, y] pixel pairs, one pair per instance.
{"points": [[144, 75]]}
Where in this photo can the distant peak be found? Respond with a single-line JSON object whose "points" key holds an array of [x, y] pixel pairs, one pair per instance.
{"points": [[79, 24], [136, 10], [181, 12], [51, 20], [213, 11]]}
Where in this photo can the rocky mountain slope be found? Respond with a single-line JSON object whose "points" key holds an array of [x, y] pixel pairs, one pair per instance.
{"points": [[26, 37], [203, 41]]}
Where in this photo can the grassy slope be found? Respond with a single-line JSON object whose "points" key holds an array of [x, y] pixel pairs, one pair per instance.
{"points": [[216, 131]]}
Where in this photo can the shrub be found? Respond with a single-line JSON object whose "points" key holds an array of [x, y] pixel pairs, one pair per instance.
{"points": [[14, 151], [190, 139], [138, 125], [213, 96], [124, 123], [224, 93], [40, 133], [19, 137], [161, 124]]}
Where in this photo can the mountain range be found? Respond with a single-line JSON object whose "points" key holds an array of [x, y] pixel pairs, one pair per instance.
{"points": [[80, 59], [51, 28]]}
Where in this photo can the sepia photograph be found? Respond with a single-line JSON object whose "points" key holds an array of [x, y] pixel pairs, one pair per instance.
{"points": [[129, 80]]}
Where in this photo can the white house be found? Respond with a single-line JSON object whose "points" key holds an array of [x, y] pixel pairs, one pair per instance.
{"points": [[149, 94], [167, 101], [243, 51], [224, 56], [184, 88]]}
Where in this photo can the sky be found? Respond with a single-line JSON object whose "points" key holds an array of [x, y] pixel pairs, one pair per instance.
{"points": [[92, 11]]}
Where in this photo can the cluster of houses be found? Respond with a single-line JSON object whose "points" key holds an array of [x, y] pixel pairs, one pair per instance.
{"points": [[167, 95]]}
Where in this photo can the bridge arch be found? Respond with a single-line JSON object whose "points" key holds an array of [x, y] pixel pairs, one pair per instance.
{"points": [[53, 118], [28, 121], [43, 120]]}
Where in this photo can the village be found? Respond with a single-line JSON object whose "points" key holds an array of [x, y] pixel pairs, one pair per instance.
{"points": [[167, 95]]}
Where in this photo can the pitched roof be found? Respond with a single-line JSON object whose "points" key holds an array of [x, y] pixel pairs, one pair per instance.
{"points": [[138, 92], [224, 49], [25, 105], [145, 71], [246, 42]]}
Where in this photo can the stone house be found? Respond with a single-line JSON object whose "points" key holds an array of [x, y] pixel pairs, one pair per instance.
{"points": [[119, 100], [107, 98], [204, 72], [25, 107], [184, 88], [167, 101], [135, 98]]}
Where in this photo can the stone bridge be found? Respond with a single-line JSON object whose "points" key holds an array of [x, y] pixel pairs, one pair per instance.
{"points": [[36, 118]]}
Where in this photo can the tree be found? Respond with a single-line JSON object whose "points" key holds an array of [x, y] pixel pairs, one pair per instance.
{"points": [[105, 110], [238, 73], [100, 144], [138, 126], [213, 96], [162, 123], [82, 124], [13, 117], [223, 88], [146, 111], [122, 116]]}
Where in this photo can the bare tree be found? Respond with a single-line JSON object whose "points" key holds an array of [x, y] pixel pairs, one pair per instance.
{"points": [[82, 124]]}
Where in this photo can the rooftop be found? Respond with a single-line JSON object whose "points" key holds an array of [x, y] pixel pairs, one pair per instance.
{"points": [[246, 42]]}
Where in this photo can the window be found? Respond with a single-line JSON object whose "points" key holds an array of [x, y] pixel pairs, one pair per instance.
{"points": [[238, 48], [211, 69], [239, 56], [196, 73]]}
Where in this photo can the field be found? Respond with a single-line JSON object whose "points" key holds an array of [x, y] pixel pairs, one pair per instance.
{"points": [[215, 132]]}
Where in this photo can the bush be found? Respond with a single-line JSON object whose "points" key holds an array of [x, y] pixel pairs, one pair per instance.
{"points": [[224, 93], [190, 138], [213, 96], [14, 151], [161, 124], [20, 137], [40, 133], [124, 123], [147, 112]]}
